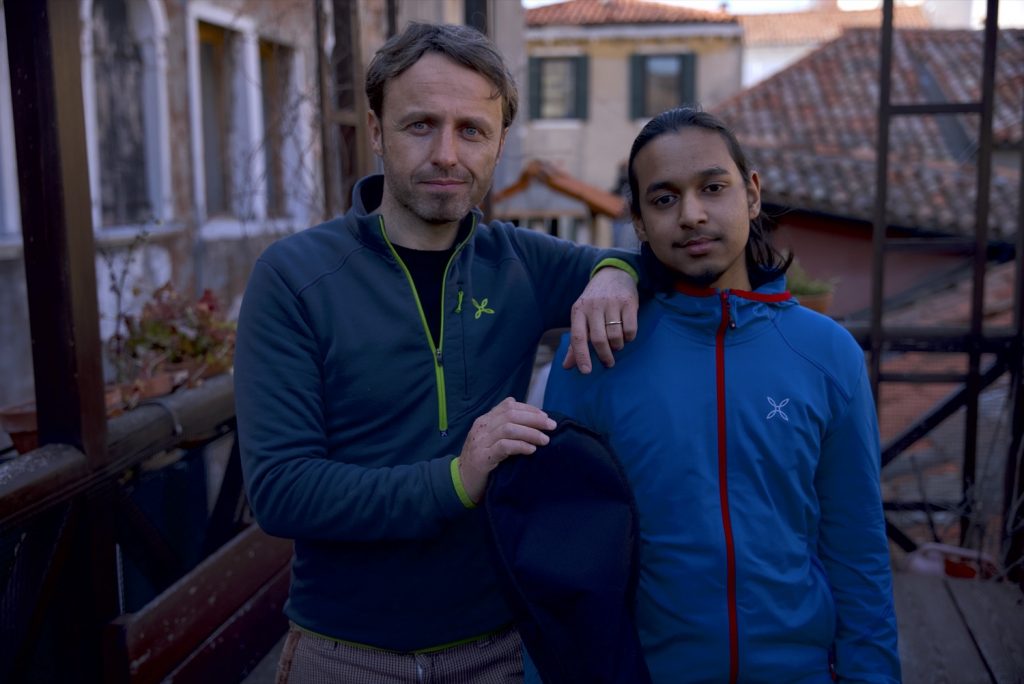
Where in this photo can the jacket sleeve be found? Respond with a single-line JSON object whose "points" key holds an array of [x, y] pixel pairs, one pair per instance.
{"points": [[852, 543], [295, 489], [560, 270]]}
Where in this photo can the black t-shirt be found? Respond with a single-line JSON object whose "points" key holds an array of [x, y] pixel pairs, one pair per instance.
{"points": [[427, 271]]}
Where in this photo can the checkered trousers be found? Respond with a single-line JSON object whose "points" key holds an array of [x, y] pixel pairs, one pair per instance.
{"points": [[310, 659]]}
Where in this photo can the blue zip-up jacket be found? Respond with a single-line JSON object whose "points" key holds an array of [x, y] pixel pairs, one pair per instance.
{"points": [[349, 416], [746, 426]]}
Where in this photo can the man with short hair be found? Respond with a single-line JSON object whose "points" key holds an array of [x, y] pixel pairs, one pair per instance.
{"points": [[381, 363]]}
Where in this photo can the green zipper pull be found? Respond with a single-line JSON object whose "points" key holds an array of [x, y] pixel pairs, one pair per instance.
{"points": [[458, 309]]}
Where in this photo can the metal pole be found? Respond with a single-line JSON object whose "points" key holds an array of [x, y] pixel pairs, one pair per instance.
{"points": [[881, 198], [981, 211]]}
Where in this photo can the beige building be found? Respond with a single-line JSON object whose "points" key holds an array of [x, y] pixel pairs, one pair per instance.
{"points": [[597, 70]]}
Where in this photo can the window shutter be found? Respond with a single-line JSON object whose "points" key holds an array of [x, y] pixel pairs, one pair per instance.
{"points": [[534, 76], [687, 79], [637, 65], [582, 86]]}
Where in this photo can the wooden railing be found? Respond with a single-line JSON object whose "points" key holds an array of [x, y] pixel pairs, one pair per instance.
{"points": [[68, 535]]}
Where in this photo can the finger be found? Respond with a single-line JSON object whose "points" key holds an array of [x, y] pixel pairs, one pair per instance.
{"points": [[569, 362], [630, 313], [578, 336], [522, 416], [599, 332], [613, 326], [512, 447]]}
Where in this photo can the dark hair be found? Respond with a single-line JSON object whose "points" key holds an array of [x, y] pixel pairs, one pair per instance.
{"points": [[461, 44], [764, 262]]}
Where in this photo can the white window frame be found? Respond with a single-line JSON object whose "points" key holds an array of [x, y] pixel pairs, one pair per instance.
{"points": [[152, 36], [10, 208], [248, 125]]}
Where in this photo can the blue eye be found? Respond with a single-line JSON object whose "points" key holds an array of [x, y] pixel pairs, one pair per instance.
{"points": [[471, 131]]}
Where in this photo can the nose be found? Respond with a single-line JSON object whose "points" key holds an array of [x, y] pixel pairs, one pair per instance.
{"points": [[444, 155], [691, 211]]}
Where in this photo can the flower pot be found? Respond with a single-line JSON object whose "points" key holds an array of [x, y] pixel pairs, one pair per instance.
{"points": [[20, 422], [156, 385]]}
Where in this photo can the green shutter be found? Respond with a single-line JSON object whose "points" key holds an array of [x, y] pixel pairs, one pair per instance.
{"points": [[637, 66], [534, 77], [687, 79], [582, 86]]}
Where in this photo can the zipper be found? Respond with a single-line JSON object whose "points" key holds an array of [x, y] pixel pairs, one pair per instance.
{"points": [[436, 351], [723, 485]]}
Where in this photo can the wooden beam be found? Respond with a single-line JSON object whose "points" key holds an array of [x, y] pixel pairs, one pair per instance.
{"points": [[994, 613], [239, 645], [43, 40], [934, 643], [146, 646]]}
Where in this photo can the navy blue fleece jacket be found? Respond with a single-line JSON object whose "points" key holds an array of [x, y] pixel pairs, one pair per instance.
{"points": [[349, 415]]}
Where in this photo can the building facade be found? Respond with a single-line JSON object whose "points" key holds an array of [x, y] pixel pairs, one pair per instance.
{"points": [[213, 127], [599, 69]]}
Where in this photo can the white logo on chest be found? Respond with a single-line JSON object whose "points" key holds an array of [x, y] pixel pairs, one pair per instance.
{"points": [[777, 409]]}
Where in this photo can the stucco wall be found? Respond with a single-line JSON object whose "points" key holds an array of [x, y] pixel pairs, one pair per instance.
{"points": [[592, 149]]}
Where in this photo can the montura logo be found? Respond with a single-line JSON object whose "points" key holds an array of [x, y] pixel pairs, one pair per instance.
{"points": [[481, 308], [777, 409]]}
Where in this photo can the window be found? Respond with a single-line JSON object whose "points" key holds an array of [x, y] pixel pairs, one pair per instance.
{"points": [[215, 69], [558, 87], [278, 107], [475, 12], [9, 209], [124, 92], [660, 82], [117, 61], [250, 123]]}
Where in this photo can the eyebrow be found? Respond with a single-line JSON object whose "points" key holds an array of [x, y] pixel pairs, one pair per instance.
{"points": [[703, 175]]}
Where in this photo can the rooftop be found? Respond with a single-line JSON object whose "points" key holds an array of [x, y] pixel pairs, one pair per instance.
{"points": [[811, 129], [614, 12], [820, 24]]}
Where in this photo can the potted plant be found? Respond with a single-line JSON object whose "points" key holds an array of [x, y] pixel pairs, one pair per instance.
{"points": [[813, 293], [172, 342]]}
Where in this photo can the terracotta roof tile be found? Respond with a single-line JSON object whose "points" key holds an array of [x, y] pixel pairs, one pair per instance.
{"points": [[598, 12], [821, 24], [812, 129]]}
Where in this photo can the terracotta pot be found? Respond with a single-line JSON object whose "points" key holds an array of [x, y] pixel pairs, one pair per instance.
{"points": [[20, 420], [156, 385]]}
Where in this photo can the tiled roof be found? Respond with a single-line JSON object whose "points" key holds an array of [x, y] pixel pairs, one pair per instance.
{"points": [[604, 12], [821, 24], [811, 129]]}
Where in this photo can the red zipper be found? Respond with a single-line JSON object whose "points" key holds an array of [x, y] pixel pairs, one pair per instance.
{"points": [[723, 488]]}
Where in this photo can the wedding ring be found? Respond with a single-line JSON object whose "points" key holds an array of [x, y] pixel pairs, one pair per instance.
{"points": [[613, 323]]}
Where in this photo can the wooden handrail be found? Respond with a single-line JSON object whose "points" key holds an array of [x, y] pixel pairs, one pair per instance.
{"points": [[33, 482]]}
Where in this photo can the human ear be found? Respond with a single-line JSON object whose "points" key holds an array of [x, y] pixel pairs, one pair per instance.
{"points": [[639, 229], [754, 195], [373, 125]]}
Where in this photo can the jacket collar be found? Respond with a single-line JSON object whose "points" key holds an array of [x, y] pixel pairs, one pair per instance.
{"points": [[366, 198], [703, 306]]}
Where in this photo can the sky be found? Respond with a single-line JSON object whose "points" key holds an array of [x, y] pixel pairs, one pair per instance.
{"points": [[745, 6], [735, 6]]}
